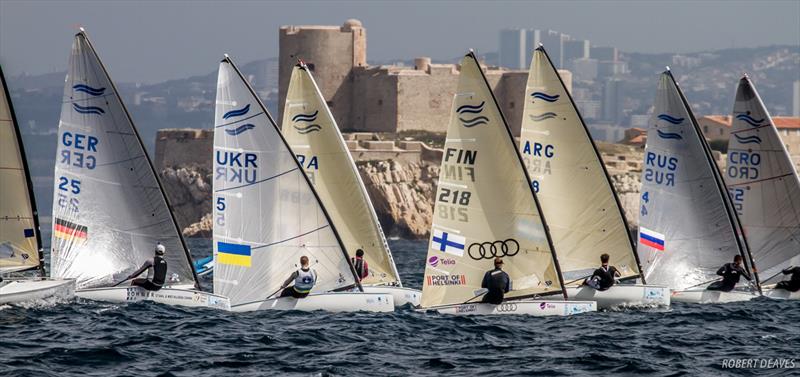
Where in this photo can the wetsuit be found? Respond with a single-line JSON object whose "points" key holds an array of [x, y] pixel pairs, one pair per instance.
{"points": [[361, 267], [603, 278], [793, 284], [498, 283], [156, 274], [730, 276], [304, 280]]}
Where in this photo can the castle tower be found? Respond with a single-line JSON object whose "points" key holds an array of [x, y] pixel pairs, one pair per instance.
{"points": [[331, 53]]}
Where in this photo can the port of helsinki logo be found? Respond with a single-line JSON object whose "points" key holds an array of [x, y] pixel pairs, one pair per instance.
{"points": [[309, 119], [470, 115]]}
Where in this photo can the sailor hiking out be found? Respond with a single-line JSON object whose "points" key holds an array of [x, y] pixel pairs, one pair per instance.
{"points": [[497, 282], [731, 273], [304, 280], [361, 266], [793, 284], [604, 277], [156, 271]]}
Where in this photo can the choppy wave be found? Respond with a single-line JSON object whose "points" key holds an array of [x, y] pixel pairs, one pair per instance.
{"points": [[90, 338]]}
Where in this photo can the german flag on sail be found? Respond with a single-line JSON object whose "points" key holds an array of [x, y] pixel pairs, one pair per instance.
{"points": [[233, 254], [70, 231]]}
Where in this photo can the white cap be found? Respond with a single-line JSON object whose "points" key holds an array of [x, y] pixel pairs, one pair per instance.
{"points": [[160, 249]]}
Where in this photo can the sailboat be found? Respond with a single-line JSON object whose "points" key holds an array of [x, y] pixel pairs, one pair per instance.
{"points": [[20, 240], [583, 212], [687, 225], [312, 133], [485, 208], [267, 215], [109, 207], [765, 189]]}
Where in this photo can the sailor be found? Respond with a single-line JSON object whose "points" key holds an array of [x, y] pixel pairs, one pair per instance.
{"points": [[304, 279], [156, 271], [793, 284], [730, 272], [360, 265], [497, 281], [603, 277]]}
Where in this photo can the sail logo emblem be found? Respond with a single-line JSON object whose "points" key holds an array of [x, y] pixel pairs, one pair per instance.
{"points": [[236, 113], [88, 109], [307, 118], [748, 139], [750, 120], [468, 120], [241, 129], [89, 90], [435, 261], [669, 135], [445, 280], [491, 250], [545, 116], [545, 97], [448, 243], [670, 119], [651, 238]]}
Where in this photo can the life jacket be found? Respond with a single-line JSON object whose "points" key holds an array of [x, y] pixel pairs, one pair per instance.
{"points": [[305, 280], [606, 276], [360, 266], [159, 270]]}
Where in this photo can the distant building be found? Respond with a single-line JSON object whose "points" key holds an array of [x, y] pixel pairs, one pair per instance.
{"points": [[612, 100], [553, 42], [796, 99], [513, 49], [585, 69], [602, 54], [717, 127], [573, 50], [635, 136]]}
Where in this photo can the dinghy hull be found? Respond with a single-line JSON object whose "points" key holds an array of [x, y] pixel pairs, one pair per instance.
{"points": [[331, 301], [781, 294], [17, 291], [168, 296], [622, 295], [402, 296], [703, 296], [536, 308]]}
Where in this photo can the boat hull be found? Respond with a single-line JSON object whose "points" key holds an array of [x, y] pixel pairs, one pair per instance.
{"points": [[537, 308], [622, 295], [402, 296], [330, 301], [28, 290], [781, 294], [167, 295], [703, 296]]}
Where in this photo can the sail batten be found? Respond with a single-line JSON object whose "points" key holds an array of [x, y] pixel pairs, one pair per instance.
{"points": [[484, 206], [266, 212], [763, 184], [312, 133], [583, 212], [109, 207]]}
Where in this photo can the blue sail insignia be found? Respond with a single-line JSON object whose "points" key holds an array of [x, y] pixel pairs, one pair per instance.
{"points": [[670, 119], [236, 113], [750, 120], [545, 116], [88, 109], [308, 129], [748, 139], [545, 97], [305, 117], [88, 89], [669, 135], [239, 130], [472, 109]]}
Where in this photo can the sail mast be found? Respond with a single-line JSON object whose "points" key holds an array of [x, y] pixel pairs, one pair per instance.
{"points": [[228, 60], [527, 179], [27, 171], [602, 165], [197, 285], [744, 249]]}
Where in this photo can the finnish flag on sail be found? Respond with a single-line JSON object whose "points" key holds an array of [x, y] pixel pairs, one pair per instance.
{"points": [[448, 242]]}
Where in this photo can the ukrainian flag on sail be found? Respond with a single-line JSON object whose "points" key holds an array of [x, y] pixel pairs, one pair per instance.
{"points": [[233, 254]]}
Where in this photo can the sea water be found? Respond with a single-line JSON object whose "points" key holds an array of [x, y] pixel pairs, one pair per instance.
{"points": [[85, 338]]}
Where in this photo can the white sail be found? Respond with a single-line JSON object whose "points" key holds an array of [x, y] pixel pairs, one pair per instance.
{"points": [[583, 214], [763, 184], [109, 209], [484, 205], [686, 231], [20, 241], [266, 213], [312, 133]]}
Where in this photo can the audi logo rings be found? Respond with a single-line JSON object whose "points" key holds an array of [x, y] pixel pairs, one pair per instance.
{"points": [[490, 250], [506, 307]]}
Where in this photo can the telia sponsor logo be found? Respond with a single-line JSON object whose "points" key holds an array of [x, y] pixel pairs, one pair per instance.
{"points": [[435, 261]]}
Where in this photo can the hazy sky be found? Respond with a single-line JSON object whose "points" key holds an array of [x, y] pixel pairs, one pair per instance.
{"points": [[150, 41]]}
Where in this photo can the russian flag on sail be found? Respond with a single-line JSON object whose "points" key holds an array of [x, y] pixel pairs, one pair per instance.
{"points": [[650, 238], [448, 243], [233, 254]]}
